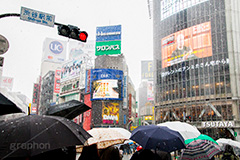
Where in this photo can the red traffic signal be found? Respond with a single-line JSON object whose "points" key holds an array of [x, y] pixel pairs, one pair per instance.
{"points": [[72, 32]]}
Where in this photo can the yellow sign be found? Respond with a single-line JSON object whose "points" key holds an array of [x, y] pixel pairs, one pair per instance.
{"points": [[133, 127]]}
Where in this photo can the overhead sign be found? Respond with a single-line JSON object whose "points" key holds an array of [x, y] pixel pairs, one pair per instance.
{"points": [[4, 45], [37, 17]]}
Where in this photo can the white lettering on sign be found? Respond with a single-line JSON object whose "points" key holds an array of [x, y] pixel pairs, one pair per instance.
{"points": [[107, 47], [110, 117], [218, 124]]}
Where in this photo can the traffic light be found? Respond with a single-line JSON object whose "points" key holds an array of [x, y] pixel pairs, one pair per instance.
{"points": [[72, 32]]}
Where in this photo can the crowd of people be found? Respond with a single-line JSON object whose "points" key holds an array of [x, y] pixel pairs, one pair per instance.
{"points": [[138, 153]]}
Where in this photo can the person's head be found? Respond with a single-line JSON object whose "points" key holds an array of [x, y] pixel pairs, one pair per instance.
{"points": [[90, 153], [110, 153], [228, 149], [180, 41]]}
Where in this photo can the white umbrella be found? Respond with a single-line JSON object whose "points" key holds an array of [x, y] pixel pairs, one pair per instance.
{"points": [[105, 137], [186, 130], [224, 141], [123, 131]]}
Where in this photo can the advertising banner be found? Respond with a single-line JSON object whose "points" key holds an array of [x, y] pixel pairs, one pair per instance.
{"points": [[106, 84], [108, 40], [150, 91], [54, 50], [74, 69], [110, 112], [108, 33], [190, 43], [147, 70], [170, 7]]}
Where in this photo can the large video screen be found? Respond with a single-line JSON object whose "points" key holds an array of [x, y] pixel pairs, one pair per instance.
{"points": [[106, 84], [190, 43], [107, 88]]}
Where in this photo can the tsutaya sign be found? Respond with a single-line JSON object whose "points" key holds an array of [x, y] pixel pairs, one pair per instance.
{"points": [[218, 124]]}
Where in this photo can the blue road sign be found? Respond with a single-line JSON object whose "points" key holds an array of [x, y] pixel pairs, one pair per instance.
{"points": [[37, 17]]}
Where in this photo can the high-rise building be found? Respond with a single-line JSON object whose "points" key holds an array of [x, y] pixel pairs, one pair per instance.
{"points": [[196, 69]]}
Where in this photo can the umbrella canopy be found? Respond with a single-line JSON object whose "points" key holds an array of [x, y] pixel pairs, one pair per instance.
{"points": [[123, 131], [225, 141], [158, 137], [202, 137], [7, 106], [33, 134], [200, 149], [186, 130], [105, 137], [69, 109]]}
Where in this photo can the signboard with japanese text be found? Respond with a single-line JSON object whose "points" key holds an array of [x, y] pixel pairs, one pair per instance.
{"points": [[191, 43], [37, 17], [108, 40]]}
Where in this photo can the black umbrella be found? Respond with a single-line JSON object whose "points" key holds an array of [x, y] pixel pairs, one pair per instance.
{"points": [[158, 137], [69, 109], [33, 134], [7, 106]]}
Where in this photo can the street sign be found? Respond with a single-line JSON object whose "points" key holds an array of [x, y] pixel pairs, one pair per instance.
{"points": [[4, 45], [37, 17]]}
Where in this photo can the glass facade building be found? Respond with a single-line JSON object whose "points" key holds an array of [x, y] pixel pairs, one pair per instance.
{"points": [[196, 75]]}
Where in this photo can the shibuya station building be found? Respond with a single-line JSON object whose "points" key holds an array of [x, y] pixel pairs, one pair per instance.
{"points": [[197, 64]]}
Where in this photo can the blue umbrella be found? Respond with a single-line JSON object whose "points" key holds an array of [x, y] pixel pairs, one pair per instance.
{"points": [[158, 137]]}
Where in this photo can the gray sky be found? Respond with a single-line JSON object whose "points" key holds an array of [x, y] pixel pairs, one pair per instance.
{"points": [[23, 59]]}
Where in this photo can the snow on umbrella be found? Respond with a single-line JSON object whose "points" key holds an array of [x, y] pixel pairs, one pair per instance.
{"points": [[158, 137], [31, 135], [105, 137], [200, 149], [225, 141], [186, 130]]}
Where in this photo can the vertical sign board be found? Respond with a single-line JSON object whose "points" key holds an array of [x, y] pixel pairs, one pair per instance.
{"points": [[57, 81], [108, 40]]}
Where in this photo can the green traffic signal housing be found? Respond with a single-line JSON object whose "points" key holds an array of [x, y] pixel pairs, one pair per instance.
{"points": [[72, 32]]}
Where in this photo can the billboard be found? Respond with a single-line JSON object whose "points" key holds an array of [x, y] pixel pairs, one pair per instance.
{"points": [[150, 91], [54, 50], [83, 51], [170, 7], [110, 112], [108, 40], [106, 84], [190, 43], [74, 69], [35, 93], [147, 70]]}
